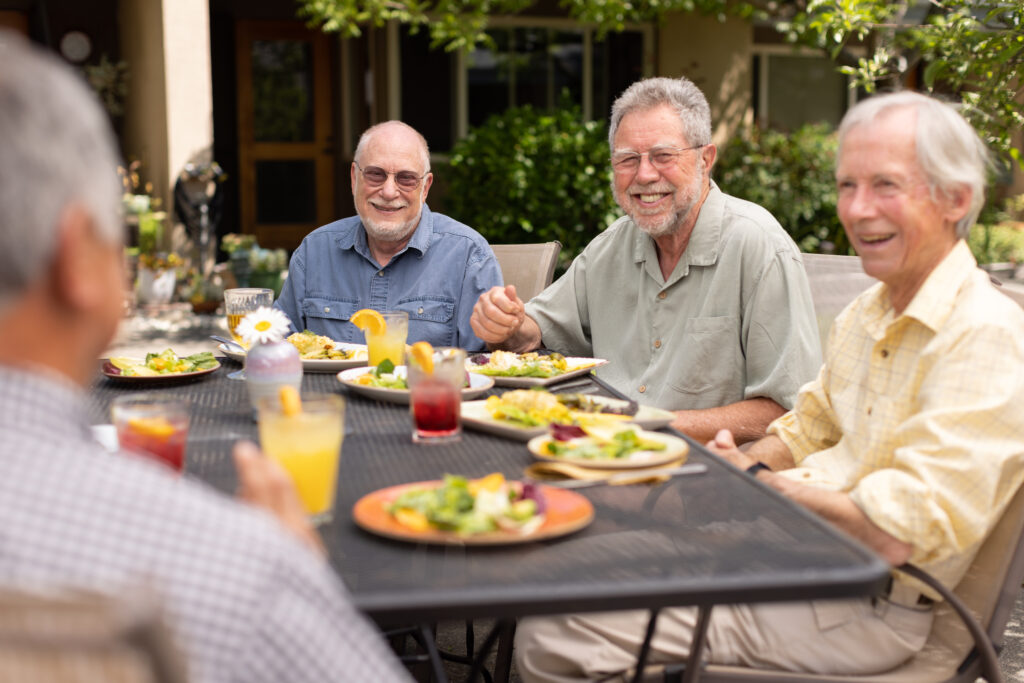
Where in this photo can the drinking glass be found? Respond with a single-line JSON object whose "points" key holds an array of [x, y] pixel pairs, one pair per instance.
{"points": [[238, 302], [435, 398], [390, 343], [308, 446], [153, 425]]}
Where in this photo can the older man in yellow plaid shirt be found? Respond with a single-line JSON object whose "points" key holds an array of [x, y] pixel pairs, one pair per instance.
{"points": [[911, 438]]}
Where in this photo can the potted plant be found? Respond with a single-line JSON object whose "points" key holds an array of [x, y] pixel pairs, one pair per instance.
{"points": [[157, 270], [205, 294], [237, 248], [252, 265], [158, 275]]}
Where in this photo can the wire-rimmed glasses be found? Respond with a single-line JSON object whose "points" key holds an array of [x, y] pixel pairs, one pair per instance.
{"points": [[660, 157], [375, 176]]}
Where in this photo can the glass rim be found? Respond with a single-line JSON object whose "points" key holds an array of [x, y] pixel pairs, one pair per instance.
{"points": [[316, 400]]}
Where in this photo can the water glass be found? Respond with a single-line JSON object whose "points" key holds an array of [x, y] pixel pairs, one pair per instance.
{"points": [[238, 302]]}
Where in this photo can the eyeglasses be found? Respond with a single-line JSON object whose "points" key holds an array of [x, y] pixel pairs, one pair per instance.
{"points": [[660, 157], [375, 176]]}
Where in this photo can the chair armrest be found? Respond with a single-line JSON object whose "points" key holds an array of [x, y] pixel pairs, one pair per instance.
{"points": [[982, 644]]}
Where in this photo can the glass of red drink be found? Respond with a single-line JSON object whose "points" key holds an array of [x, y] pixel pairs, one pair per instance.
{"points": [[154, 426], [435, 397]]}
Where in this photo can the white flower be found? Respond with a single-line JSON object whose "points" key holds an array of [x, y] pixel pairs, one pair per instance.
{"points": [[264, 325]]}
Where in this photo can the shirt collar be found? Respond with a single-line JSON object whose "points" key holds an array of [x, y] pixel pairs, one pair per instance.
{"points": [[705, 240], [420, 241], [933, 302]]}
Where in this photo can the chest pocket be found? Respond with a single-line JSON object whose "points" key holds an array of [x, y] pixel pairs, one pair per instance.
{"points": [[327, 310], [430, 319], [714, 361]]}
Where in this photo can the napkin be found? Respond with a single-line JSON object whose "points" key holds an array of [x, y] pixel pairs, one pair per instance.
{"points": [[546, 470]]}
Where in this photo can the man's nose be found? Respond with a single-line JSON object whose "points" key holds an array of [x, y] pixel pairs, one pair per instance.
{"points": [[390, 187], [647, 172]]}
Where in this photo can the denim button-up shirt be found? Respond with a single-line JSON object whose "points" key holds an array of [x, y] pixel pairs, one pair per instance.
{"points": [[437, 279]]}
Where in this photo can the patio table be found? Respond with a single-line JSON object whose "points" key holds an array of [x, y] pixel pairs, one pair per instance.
{"points": [[719, 537]]}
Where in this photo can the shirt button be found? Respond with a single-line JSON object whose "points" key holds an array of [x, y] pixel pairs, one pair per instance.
{"points": [[885, 353], [643, 388], [662, 295], [327, 309], [420, 310], [380, 273], [657, 343], [869, 410]]}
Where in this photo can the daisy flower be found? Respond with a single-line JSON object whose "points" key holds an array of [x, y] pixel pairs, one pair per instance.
{"points": [[264, 325]]}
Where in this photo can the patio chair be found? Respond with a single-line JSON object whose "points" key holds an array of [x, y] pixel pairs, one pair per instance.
{"points": [[966, 633], [530, 267], [78, 637]]}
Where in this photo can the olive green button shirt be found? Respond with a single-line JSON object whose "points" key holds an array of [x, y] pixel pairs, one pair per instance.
{"points": [[733, 321]]}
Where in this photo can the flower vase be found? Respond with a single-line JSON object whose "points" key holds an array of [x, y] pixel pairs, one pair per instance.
{"points": [[270, 365]]}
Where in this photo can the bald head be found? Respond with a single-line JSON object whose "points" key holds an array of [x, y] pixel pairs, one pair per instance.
{"points": [[394, 134]]}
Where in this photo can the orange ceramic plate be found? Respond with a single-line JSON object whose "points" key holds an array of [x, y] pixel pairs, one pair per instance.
{"points": [[567, 511]]}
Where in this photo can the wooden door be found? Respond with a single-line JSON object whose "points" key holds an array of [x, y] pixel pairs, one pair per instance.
{"points": [[285, 131]]}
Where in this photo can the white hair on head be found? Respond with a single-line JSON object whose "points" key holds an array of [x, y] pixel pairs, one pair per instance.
{"points": [[680, 93], [56, 149], [364, 140], [949, 151]]}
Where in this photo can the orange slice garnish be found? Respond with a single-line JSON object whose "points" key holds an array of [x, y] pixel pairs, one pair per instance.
{"points": [[291, 403], [369, 320], [423, 353], [413, 519], [156, 427]]}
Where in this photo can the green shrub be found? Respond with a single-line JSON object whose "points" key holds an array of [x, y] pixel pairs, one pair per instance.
{"points": [[529, 176], [793, 176], [1001, 243]]}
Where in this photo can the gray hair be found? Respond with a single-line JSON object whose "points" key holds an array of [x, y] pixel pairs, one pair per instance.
{"points": [[364, 140], [57, 149], [685, 97], [949, 151]]}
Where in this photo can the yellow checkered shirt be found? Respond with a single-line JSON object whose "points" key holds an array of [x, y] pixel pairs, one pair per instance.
{"points": [[920, 417]]}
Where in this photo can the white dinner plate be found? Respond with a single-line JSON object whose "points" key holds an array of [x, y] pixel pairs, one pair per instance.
{"points": [[478, 385], [577, 366], [675, 448], [309, 365], [476, 416]]}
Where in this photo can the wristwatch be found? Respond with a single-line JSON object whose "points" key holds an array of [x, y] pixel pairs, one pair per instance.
{"points": [[757, 467]]}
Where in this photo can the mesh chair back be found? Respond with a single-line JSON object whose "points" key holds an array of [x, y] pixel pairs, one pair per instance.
{"points": [[530, 267]]}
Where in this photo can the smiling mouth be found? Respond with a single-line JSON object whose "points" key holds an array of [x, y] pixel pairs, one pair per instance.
{"points": [[387, 209], [876, 239], [650, 198]]}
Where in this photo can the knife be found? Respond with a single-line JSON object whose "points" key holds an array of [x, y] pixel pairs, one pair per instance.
{"points": [[623, 478]]}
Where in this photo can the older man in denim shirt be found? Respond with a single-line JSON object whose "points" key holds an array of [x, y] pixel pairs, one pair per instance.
{"points": [[396, 255]]}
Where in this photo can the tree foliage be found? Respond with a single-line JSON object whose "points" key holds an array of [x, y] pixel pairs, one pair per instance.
{"points": [[973, 49], [528, 176]]}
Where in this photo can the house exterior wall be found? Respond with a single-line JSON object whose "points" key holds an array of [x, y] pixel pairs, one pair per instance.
{"points": [[717, 57]]}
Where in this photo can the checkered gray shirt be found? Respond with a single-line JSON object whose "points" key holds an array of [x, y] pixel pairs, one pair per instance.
{"points": [[247, 602]]}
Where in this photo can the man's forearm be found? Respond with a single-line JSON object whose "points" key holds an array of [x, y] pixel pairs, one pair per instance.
{"points": [[747, 420], [526, 338]]}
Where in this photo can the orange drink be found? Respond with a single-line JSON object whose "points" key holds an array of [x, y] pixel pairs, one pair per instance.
{"points": [[385, 334], [307, 444]]}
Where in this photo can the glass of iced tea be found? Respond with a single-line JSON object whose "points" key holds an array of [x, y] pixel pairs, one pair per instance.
{"points": [[238, 302], [307, 444], [390, 343], [435, 397], [153, 425]]}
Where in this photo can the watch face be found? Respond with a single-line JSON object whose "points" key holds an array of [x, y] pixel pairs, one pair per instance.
{"points": [[75, 46]]}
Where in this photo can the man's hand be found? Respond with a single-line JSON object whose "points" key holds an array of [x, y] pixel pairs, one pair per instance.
{"points": [[498, 315], [724, 446], [264, 484]]}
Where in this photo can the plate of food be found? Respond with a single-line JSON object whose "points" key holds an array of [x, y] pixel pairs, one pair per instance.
{"points": [[531, 369], [525, 413], [608, 446], [461, 511], [163, 367], [387, 383], [318, 353]]}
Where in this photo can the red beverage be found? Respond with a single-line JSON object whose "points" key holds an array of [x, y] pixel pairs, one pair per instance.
{"points": [[435, 409], [157, 438]]}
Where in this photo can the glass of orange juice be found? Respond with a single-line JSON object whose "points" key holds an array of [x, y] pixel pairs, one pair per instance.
{"points": [[308, 446], [390, 343], [238, 302]]}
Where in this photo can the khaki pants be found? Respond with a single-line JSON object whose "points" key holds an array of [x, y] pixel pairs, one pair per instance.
{"points": [[832, 636]]}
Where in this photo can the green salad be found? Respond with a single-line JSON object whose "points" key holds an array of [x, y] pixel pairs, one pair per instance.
{"points": [[383, 376], [620, 445], [164, 363]]}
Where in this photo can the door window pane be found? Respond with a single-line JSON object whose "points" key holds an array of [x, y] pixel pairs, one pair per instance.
{"points": [[618, 63], [547, 62], [428, 77], [804, 90], [286, 191], [282, 89], [489, 77]]}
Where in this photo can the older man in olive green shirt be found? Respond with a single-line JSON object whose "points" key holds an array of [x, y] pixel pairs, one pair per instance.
{"points": [[698, 299]]}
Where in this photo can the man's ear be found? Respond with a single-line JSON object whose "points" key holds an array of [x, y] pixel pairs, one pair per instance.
{"points": [[76, 281], [709, 153], [957, 203], [427, 182]]}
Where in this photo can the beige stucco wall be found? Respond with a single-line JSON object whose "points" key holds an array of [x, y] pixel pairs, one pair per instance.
{"points": [[169, 109], [716, 56]]}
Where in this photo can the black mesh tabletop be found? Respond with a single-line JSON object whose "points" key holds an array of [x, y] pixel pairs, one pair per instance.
{"points": [[713, 538]]}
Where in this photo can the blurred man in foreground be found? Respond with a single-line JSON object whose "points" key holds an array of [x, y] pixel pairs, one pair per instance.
{"points": [[395, 255], [698, 299], [910, 439], [247, 601]]}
